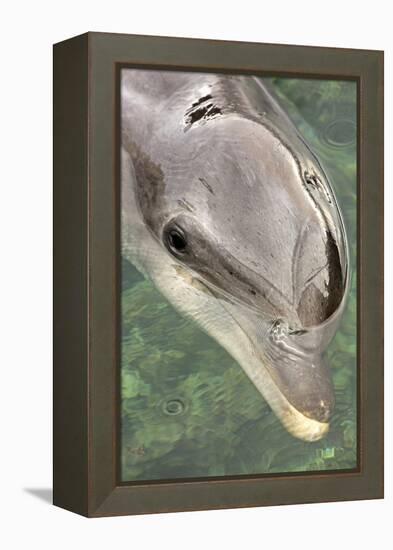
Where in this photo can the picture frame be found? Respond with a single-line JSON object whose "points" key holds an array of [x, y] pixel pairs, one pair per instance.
{"points": [[86, 431]]}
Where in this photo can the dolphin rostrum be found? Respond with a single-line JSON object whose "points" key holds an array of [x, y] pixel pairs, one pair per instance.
{"points": [[231, 216]]}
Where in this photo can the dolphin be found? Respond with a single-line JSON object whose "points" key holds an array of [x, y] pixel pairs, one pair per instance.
{"points": [[229, 213]]}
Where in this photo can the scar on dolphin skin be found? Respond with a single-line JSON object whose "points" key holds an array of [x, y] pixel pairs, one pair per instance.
{"points": [[315, 183], [188, 277], [207, 185], [203, 109], [185, 204]]}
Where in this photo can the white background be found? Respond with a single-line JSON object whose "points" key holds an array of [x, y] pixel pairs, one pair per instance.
{"points": [[28, 30]]}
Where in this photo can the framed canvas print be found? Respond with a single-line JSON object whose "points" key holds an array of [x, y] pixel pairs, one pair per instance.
{"points": [[218, 274]]}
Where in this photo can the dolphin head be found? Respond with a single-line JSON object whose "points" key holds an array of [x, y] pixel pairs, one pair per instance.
{"points": [[251, 229]]}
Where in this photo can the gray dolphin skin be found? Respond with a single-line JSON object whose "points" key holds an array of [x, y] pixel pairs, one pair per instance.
{"points": [[228, 212]]}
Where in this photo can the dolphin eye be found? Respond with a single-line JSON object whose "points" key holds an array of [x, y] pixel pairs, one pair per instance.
{"points": [[175, 239]]}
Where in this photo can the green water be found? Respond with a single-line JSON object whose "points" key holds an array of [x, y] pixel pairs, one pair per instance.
{"points": [[187, 408]]}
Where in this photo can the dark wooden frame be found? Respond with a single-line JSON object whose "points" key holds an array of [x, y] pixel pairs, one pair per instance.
{"points": [[86, 238]]}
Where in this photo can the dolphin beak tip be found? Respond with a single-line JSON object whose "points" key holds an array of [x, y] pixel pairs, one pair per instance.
{"points": [[303, 427], [311, 430], [318, 432]]}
